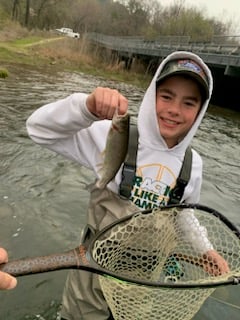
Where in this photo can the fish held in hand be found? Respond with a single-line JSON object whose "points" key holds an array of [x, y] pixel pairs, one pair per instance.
{"points": [[116, 149]]}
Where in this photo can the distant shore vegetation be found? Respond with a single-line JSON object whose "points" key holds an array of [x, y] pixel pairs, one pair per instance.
{"points": [[146, 18]]}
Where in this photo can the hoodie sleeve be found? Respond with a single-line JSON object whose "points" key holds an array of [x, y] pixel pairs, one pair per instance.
{"points": [[193, 232], [59, 119], [64, 127]]}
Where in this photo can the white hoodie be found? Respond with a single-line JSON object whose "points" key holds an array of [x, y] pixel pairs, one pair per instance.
{"points": [[68, 128]]}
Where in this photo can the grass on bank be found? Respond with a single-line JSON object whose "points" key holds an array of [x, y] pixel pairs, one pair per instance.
{"points": [[3, 73], [68, 54]]}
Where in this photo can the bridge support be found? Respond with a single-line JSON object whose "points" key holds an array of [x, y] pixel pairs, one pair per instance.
{"points": [[128, 63], [226, 90], [127, 59], [232, 71]]}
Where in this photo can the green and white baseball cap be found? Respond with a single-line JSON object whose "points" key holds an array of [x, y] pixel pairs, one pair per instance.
{"points": [[186, 67]]}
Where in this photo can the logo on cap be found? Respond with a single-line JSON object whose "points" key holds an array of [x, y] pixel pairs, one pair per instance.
{"points": [[192, 66]]}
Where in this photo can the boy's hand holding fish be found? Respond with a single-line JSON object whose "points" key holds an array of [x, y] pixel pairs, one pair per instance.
{"points": [[106, 103], [103, 102]]}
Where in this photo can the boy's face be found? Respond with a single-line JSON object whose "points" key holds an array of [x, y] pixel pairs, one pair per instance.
{"points": [[178, 102]]}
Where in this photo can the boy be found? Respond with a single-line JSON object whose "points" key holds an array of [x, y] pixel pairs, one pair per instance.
{"points": [[170, 113]]}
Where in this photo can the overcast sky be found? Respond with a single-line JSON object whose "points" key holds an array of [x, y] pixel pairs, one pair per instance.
{"points": [[224, 10]]}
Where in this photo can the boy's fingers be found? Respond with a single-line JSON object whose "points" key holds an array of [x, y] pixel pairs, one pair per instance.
{"points": [[123, 105], [103, 102]]}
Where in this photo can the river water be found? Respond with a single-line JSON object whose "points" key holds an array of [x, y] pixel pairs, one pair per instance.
{"points": [[43, 197]]}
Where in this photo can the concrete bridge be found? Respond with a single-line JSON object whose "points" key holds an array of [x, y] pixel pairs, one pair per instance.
{"points": [[221, 54]]}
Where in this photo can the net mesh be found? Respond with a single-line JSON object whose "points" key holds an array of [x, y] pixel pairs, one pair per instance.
{"points": [[165, 246]]}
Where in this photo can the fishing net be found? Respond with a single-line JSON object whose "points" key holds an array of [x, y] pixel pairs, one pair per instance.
{"points": [[166, 249]]}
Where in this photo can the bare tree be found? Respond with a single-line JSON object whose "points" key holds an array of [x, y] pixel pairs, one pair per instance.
{"points": [[27, 12], [15, 9]]}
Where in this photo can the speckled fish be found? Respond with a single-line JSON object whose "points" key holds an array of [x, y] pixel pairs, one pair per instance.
{"points": [[116, 149]]}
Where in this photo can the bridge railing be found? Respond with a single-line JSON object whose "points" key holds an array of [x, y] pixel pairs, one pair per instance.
{"points": [[225, 45]]}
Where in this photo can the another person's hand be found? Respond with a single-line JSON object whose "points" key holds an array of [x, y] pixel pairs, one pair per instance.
{"points": [[214, 263], [6, 281], [103, 103]]}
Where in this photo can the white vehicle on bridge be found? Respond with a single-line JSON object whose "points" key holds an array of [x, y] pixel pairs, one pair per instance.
{"points": [[68, 32]]}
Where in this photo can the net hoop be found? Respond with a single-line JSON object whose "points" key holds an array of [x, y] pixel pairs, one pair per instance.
{"points": [[162, 260]]}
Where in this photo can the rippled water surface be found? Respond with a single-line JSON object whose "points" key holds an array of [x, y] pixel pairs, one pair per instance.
{"points": [[44, 197]]}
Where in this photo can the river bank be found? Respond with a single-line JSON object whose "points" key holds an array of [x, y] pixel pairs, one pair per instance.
{"points": [[67, 54]]}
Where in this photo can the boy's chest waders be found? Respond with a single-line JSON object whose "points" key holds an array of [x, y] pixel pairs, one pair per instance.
{"points": [[129, 169]]}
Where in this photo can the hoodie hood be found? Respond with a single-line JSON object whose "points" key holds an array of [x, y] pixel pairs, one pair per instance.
{"points": [[149, 134]]}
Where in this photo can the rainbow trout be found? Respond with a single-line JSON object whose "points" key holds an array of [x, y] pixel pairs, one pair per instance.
{"points": [[116, 149]]}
